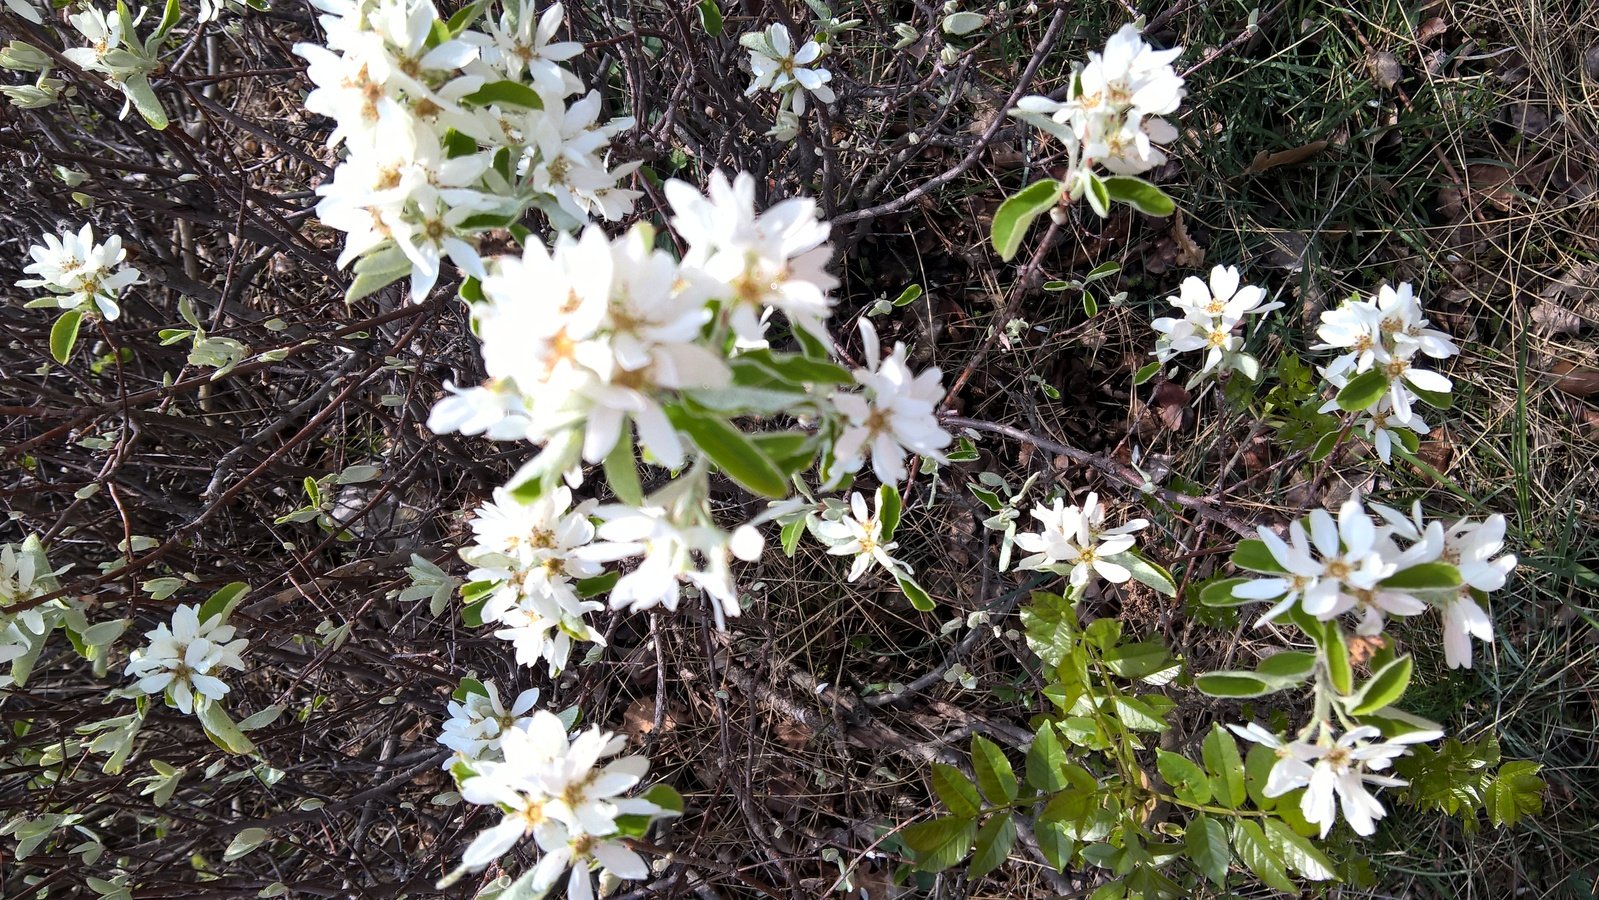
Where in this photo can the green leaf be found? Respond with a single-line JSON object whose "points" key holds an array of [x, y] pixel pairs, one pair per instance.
{"points": [[1515, 792], [1138, 715], [1253, 556], [510, 93], [919, 598], [1188, 781], [64, 335], [467, 688], [1137, 660], [138, 90], [790, 536], [1140, 195], [1098, 195], [599, 584], [994, 841], [1436, 400], [732, 452], [244, 842], [1325, 445], [985, 496], [1055, 843], [621, 469], [1146, 572], [1424, 577], [1298, 853], [1147, 372], [908, 296], [1017, 213], [956, 791], [940, 843], [710, 18], [472, 614], [1103, 270], [220, 729], [1256, 853], [1386, 685], [1257, 770], [666, 797], [366, 284], [223, 601], [1336, 651], [1206, 843], [994, 773], [1046, 760], [791, 451], [1220, 593], [1233, 685], [1288, 667], [1220, 752], [1362, 391], [889, 506], [1090, 305]]}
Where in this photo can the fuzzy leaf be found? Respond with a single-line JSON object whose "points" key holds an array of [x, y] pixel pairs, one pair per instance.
{"points": [[1140, 195]]}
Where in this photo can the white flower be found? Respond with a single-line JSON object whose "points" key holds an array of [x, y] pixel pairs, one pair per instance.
{"points": [[1112, 116], [80, 273], [773, 260], [547, 780], [104, 34], [1210, 314], [183, 660], [892, 417], [1338, 570], [668, 563], [1339, 773], [779, 68], [1386, 331], [1289, 771], [521, 41], [861, 535], [1075, 538], [478, 723], [1470, 547], [492, 410], [563, 849]]}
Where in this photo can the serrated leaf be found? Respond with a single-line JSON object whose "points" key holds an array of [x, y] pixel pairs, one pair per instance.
{"points": [[1255, 853], [1515, 792], [64, 335], [1362, 391], [956, 791], [995, 776], [940, 843], [994, 841], [1220, 752], [1140, 195], [1017, 213], [1206, 843], [1046, 760]]}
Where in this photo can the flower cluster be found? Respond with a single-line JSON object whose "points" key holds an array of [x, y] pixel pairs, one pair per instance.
{"points": [[1385, 334], [1335, 771], [184, 659], [527, 564], [1075, 541], [479, 722], [80, 274], [452, 131], [556, 789], [1354, 565], [1112, 113], [1211, 315], [788, 73]]}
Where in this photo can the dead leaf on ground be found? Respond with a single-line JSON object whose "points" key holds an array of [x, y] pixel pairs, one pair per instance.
{"points": [[793, 735], [1528, 119], [1264, 160], [1578, 381], [1438, 450], [639, 718], [1430, 29], [1385, 69], [1590, 62], [1170, 404], [1188, 252]]}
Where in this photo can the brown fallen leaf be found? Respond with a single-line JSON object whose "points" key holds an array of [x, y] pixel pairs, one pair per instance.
{"points": [[1438, 450], [1431, 29], [1170, 403], [1578, 381], [1188, 252], [1385, 69], [639, 718], [1264, 160]]}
